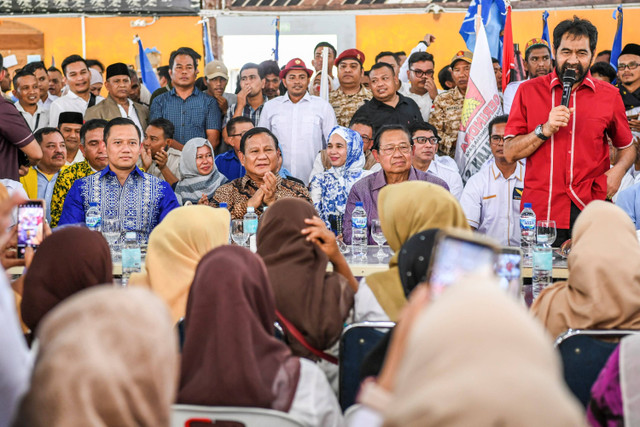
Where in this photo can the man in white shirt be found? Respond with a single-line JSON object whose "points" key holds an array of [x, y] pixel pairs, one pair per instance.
{"points": [[69, 125], [79, 97], [46, 99], [425, 145], [421, 86], [118, 104], [300, 121], [491, 198], [28, 93], [537, 61]]}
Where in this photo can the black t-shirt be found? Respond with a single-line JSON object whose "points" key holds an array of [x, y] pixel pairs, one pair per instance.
{"points": [[379, 113], [630, 99]]}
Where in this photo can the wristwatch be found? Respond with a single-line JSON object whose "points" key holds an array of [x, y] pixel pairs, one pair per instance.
{"points": [[539, 133]]}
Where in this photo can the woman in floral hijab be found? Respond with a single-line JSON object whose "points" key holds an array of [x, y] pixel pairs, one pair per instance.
{"points": [[330, 189]]}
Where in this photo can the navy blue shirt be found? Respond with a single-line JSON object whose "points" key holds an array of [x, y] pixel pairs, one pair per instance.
{"points": [[192, 117], [229, 165]]}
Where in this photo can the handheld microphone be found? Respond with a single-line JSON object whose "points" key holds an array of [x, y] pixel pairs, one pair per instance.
{"points": [[568, 79]]}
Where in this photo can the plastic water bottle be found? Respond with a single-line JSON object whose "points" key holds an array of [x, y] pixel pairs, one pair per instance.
{"points": [[527, 230], [542, 266], [92, 218], [131, 256], [250, 225], [359, 239]]}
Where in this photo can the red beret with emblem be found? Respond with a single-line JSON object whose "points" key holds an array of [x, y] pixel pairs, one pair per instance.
{"points": [[295, 64], [350, 54]]}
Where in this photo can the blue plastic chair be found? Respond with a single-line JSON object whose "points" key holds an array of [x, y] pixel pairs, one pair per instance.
{"points": [[356, 341], [584, 354]]}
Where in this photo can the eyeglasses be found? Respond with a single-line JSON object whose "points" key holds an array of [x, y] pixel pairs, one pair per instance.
{"points": [[497, 139], [630, 65], [419, 73], [238, 134], [389, 150], [366, 139], [433, 140]]}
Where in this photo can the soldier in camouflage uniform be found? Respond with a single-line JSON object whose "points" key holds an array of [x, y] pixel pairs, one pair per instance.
{"points": [[447, 107], [351, 94]]}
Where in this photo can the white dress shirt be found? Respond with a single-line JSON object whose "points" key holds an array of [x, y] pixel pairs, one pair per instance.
{"points": [[302, 130], [366, 307], [402, 74], [509, 95], [315, 403], [68, 102], [46, 105], [15, 359], [424, 101], [450, 176], [491, 202], [78, 158], [38, 120], [131, 114]]}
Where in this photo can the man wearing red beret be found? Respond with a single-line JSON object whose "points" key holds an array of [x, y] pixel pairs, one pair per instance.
{"points": [[351, 94], [300, 121]]}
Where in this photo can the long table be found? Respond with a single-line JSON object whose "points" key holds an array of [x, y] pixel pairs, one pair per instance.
{"points": [[361, 267]]}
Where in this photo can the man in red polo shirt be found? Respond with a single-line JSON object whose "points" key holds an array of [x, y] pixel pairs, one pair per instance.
{"points": [[566, 148]]}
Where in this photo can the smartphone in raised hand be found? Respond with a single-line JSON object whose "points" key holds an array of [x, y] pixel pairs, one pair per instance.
{"points": [[31, 217]]}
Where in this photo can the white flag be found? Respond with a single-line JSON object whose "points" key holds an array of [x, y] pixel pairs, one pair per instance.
{"points": [[481, 105]]}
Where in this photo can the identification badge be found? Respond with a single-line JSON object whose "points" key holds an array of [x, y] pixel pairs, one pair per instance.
{"points": [[517, 193]]}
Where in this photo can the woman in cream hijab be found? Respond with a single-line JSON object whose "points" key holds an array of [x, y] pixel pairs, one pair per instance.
{"points": [[176, 246], [404, 209], [472, 358], [107, 357], [603, 290]]}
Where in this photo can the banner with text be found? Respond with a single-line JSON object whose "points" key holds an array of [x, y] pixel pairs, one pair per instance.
{"points": [[481, 105]]}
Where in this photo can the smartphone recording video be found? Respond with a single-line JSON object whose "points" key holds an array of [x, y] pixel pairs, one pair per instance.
{"points": [[509, 269], [455, 256], [30, 225]]}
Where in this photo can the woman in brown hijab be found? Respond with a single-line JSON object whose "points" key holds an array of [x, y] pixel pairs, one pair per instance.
{"points": [[230, 356], [404, 209], [107, 357], [603, 290], [315, 301], [68, 261]]}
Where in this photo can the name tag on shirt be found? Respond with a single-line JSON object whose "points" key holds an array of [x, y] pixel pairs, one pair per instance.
{"points": [[517, 193]]}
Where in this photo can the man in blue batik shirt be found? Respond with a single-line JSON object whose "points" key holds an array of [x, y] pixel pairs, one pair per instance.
{"points": [[121, 190]]}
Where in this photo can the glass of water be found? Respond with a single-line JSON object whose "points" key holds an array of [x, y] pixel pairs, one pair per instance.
{"points": [[111, 230], [546, 232], [378, 236], [237, 232]]}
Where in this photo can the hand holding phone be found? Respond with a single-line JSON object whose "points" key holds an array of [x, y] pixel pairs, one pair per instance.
{"points": [[456, 255], [30, 225]]}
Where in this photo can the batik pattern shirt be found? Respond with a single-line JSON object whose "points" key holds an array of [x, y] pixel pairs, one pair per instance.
{"points": [[140, 204], [66, 178], [237, 193]]}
